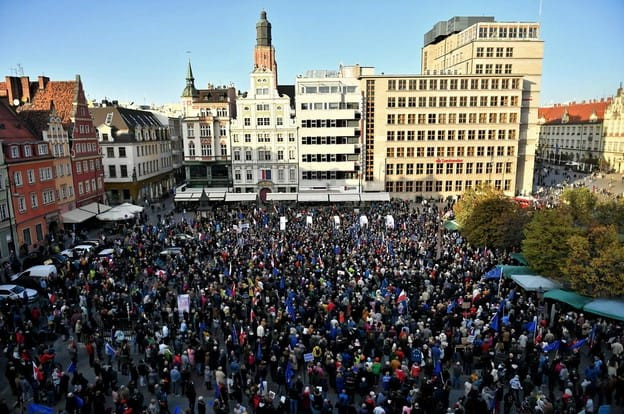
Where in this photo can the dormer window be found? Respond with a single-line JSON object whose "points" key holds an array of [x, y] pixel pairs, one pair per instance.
{"points": [[14, 152], [27, 151], [43, 149]]}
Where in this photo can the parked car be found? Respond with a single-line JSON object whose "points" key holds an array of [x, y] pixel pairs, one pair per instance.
{"points": [[106, 253], [58, 260], [182, 238], [39, 271], [17, 292], [171, 251], [78, 251]]}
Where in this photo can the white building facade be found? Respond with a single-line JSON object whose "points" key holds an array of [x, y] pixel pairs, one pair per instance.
{"points": [[329, 112], [264, 133]]}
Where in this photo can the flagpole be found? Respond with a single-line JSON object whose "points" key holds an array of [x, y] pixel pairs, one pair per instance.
{"points": [[534, 330]]}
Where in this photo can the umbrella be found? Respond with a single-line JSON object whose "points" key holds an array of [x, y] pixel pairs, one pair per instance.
{"points": [[115, 215], [130, 208]]}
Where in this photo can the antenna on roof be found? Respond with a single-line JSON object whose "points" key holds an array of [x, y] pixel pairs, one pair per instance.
{"points": [[20, 70]]}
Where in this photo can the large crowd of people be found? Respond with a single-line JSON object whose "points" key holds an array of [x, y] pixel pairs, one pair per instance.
{"points": [[293, 309]]}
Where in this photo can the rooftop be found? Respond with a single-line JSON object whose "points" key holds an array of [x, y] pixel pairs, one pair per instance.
{"points": [[574, 113]]}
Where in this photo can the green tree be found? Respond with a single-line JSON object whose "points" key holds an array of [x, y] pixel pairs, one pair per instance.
{"points": [[545, 245], [595, 265], [610, 212], [495, 222], [470, 199], [580, 202]]}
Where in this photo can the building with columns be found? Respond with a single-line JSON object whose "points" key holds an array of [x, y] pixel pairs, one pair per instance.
{"points": [[484, 47], [328, 105], [264, 132]]}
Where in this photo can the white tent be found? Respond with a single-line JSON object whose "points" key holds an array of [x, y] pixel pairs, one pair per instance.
{"points": [[129, 207], [535, 283], [76, 216], [115, 215]]}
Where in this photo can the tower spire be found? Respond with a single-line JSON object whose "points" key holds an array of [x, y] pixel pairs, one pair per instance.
{"points": [[263, 30], [189, 90]]}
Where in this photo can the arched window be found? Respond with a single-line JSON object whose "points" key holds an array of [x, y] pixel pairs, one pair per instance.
{"points": [[191, 149]]}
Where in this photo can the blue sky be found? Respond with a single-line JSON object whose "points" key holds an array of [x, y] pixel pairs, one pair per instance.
{"points": [[136, 50]]}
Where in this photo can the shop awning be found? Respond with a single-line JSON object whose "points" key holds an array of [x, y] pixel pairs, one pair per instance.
{"points": [[185, 197], [519, 257], [281, 197], [342, 198], [96, 208], [313, 197], [451, 225], [375, 196], [534, 283], [76, 216], [216, 196], [233, 197], [508, 271], [571, 298], [612, 308]]}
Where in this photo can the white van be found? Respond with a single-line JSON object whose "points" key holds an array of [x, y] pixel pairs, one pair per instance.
{"points": [[37, 272]]}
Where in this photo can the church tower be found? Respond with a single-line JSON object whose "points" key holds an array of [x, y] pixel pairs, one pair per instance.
{"points": [[189, 89], [264, 52]]}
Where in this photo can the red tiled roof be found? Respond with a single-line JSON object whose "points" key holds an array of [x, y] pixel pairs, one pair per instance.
{"points": [[577, 112], [62, 93], [11, 127]]}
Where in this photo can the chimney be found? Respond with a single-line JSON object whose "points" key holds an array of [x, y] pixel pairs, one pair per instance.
{"points": [[25, 88], [43, 81]]}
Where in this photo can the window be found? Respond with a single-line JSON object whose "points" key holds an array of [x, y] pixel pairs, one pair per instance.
{"points": [[206, 150], [247, 121], [291, 137], [45, 174], [27, 151], [87, 186], [479, 52], [14, 152], [34, 200], [479, 69], [112, 171], [110, 152], [263, 121], [489, 52], [190, 130], [508, 68], [123, 170], [280, 155], [204, 130], [509, 52], [43, 149], [17, 178], [48, 196], [21, 204], [31, 176]]}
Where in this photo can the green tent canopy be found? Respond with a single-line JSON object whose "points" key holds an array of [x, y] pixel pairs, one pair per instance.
{"points": [[571, 298], [516, 270], [451, 225], [519, 257], [612, 308]]}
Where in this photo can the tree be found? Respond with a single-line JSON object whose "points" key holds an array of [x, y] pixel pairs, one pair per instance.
{"points": [[495, 222], [611, 212], [546, 245], [470, 199], [595, 265], [580, 202]]}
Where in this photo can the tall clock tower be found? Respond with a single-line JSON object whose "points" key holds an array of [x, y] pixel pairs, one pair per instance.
{"points": [[264, 52]]}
